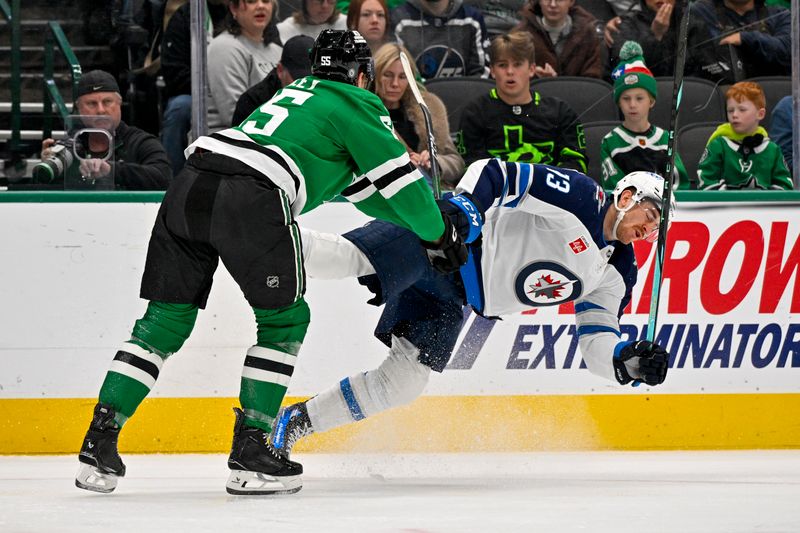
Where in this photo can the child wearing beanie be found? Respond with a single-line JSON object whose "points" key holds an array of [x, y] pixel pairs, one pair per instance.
{"points": [[636, 144], [739, 155]]}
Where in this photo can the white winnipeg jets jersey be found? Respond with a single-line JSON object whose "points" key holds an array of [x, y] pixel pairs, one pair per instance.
{"points": [[543, 245]]}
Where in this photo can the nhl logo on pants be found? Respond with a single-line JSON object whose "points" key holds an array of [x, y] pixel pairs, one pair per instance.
{"points": [[273, 282]]}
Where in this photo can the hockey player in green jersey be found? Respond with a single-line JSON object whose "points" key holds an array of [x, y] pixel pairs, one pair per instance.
{"points": [[236, 200]]}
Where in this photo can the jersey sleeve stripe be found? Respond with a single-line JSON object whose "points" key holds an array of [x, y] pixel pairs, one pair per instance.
{"points": [[589, 330], [586, 306], [360, 184]]}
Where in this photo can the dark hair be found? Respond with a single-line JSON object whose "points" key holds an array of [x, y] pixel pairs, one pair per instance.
{"points": [[301, 16], [270, 34]]}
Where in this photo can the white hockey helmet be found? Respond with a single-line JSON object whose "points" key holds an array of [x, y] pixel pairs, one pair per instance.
{"points": [[647, 186]]}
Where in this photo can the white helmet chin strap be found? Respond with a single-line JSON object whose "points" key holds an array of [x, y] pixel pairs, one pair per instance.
{"points": [[620, 215]]}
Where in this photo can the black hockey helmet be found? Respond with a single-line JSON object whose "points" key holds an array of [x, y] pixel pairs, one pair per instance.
{"points": [[341, 55]]}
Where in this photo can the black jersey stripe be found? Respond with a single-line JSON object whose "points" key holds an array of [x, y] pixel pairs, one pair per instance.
{"points": [[142, 364], [250, 145], [394, 175], [269, 366], [357, 187]]}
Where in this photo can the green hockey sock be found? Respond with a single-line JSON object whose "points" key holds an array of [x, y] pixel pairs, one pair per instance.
{"points": [[136, 366], [269, 365]]}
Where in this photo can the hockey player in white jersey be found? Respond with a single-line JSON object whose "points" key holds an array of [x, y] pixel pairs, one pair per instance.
{"points": [[539, 236]]}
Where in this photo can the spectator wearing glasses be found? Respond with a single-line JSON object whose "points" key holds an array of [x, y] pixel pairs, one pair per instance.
{"points": [[565, 38], [313, 17]]}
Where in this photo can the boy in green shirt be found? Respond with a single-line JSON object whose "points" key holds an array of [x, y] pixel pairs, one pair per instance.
{"points": [[636, 144], [739, 154]]}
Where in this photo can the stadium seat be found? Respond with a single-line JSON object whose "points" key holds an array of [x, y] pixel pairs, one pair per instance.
{"points": [[591, 98], [702, 101], [690, 143], [594, 133], [456, 93], [775, 88]]}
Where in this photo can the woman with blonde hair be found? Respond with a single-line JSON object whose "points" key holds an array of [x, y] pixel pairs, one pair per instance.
{"points": [[392, 86]]}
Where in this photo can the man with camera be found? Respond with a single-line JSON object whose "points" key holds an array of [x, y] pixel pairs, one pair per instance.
{"points": [[139, 161]]}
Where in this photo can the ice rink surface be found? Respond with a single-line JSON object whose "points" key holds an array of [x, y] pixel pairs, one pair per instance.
{"points": [[595, 492]]}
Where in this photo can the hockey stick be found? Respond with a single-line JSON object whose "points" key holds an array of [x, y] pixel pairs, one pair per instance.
{"points": [[666, 200], [412, 84]]}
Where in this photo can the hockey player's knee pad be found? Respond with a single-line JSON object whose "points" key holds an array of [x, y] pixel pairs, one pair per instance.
{"points": [[283, 329], [164, 327]]}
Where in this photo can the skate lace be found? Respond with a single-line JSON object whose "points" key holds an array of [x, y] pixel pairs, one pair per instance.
{"points": [[296, 430]]}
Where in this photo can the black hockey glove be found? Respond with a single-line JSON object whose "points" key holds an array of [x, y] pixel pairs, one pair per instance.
{"points": [[466, 214], [641, 361], [450, 253]]}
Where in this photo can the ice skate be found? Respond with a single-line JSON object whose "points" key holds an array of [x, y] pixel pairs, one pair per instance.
{"points": [[291, 425], [101, 464], [256, 468]]}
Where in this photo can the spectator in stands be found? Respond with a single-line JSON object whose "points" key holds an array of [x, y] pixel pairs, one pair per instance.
{"points": [[739, 154], [500, 16], [240, 56], [176, 68], [782, 130], [516, 124], [392, 87], [445, 37], [140, 162], [636, 144], [313, 17], [295, 63], [565, 38], [371, 19], [761, 47], [655, 27]]}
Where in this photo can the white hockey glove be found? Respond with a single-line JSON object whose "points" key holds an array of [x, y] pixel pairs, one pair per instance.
{"points": [[641, 361]]}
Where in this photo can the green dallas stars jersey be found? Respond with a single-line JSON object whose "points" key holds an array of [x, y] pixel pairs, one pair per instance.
{"points": [[317, 138], [624, 151]]}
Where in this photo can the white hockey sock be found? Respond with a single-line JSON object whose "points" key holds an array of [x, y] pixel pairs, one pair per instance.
{"points": [[331, 256], [397, 381]]}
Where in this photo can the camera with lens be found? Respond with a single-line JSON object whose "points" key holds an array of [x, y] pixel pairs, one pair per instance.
{"points": [[62, 155], [78, 160]]}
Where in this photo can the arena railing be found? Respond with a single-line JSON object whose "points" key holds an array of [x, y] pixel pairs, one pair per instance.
{"points": [[12, 15], [55, 38]]}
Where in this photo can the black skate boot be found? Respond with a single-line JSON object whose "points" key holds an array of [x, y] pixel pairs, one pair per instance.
{"points": [[256, 468], [101, 464], [291, 425]]}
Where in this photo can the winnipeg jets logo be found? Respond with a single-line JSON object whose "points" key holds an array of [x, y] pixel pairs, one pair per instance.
{"points": [[544, 283], [548, 287]]}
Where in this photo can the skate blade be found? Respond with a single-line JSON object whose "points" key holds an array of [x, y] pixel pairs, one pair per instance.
{"points": [[244, 482], [89, 478]]}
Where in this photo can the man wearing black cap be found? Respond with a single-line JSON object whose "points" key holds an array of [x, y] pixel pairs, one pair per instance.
{"points": [[295, 63], [140, 162]]}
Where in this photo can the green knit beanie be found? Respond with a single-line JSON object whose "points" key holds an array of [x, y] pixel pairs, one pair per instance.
{"points": [[631, 72]]}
